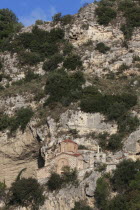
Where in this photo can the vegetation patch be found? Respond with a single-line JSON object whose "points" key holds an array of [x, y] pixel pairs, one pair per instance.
{"points": [[63, 88], [102, 48], [124, 182], [57, 181], [20, 120], [53, 62], [26, 193], [72, 62]]}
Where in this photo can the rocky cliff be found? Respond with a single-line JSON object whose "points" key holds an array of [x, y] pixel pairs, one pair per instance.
{"points": [[50, 125]]}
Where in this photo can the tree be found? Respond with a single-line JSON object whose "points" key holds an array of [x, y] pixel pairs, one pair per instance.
{"points": [[55, 182], [102, 193], [27, 192], [8, 23], [124, 174]]}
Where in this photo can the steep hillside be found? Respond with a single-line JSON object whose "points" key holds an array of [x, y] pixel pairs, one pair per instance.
{"points": [[77, 77]]}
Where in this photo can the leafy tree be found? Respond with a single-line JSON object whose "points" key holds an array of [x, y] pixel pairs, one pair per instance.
{"points": [[8, 25], [105, 14], [64, 88], [124, 174], [27, 193], [57, 17], [102, 193], [55, 182]]}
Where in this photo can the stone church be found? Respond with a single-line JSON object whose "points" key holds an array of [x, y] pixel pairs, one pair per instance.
{"points": [[67, 155]]}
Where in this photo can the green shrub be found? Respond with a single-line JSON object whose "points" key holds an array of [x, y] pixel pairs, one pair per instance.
{"points": [[102, 48], [57, 17], [23, 117], [53, 62], [30, 75], [105, 14], [29, 58], [9, 25], [66, 19], [72, 62], [124, 173], [116, 110], [115, 142], [57, 181], [2, 191], [49, 49], [128, 123], [102, 193], [83, 147], [64, 88], [136, 58], [27, 193], [4, 122], [127, 31], [39, 22], [1, 65], [67, 48], [56, 35], [81, 205], [123, 67]]}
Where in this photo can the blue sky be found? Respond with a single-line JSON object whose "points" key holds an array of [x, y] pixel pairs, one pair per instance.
{"points": [[30, 10]]}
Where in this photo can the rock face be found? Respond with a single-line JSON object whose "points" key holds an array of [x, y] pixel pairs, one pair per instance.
{"points": [[23, 150], [66, 197], [85, 123], [17, 153]]}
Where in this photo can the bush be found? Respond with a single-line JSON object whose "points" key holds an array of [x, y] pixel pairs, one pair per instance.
{"points": [[105, 14], [66, 19], [123, 67], [72, 62], [27, 193], [9, 24], [4, 122], [124, 173], [57, 182], [64, 88], [102, 193], [2, 191], [115, 142], [56, 35], [67, 48], [29, 58], [102, 48], [23, 117], [39, 22], [127, 123], [53, 62], [82, 147], [57, 17], [30, 75], [81, 205]]}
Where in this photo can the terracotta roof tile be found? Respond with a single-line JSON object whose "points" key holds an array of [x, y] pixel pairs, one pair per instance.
{"points": [[68, 140]]}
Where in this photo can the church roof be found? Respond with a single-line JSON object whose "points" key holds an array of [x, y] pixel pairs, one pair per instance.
{"points": [[68, 140]]}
